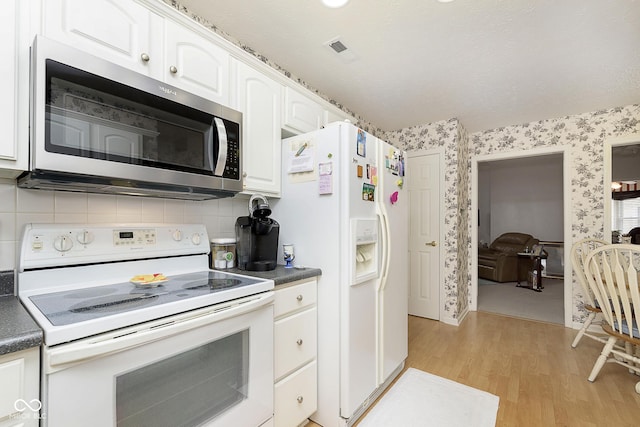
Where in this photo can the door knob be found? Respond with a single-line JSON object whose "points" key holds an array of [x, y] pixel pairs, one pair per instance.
{"points": [[432, 243]]}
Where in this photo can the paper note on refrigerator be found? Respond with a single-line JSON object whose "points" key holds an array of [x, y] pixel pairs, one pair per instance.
{"points": [[301, 163], [300, 160], [325, 172]]}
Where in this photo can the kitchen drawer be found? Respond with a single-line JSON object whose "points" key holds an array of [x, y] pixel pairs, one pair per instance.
{"points": [[295, 341], [295, 297], [296, 396]]}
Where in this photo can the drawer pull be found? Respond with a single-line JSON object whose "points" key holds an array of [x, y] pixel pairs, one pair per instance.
{"points": [[299, 297], [173, 69], [145, 57], [299, 399], [299, 341]]}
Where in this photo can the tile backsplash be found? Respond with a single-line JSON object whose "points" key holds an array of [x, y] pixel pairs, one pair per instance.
{"points": [[20, 206]]}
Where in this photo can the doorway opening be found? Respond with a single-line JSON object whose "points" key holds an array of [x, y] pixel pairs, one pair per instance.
{"points": [[625, 193], [523, 193]]}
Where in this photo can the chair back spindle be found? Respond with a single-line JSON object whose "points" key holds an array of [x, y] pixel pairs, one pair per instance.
{"points": [[613, 279]]}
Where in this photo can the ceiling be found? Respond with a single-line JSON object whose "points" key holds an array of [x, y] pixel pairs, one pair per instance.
{"points": [[489, 63]]}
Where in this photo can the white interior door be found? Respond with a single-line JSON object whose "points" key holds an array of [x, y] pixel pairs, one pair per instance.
{"points": [[424, 244]]}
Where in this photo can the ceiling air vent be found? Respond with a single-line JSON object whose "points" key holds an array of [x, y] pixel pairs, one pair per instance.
{"points": [[337, 46]]}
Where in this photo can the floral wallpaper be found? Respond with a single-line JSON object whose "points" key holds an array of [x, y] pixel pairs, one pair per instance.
{"points": [[584, 135], [463, 238], [447, 134]]}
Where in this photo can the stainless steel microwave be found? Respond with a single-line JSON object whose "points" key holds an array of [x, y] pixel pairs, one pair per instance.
{"points": [[99, 127]]}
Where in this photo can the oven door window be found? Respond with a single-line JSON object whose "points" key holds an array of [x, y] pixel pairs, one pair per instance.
{"points": [[91, 116], [203, 382]]}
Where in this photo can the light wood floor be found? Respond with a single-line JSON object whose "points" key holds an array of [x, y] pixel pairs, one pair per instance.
{"points": [[540, 379]]}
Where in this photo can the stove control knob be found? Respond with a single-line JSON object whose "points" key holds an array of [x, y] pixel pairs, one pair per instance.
{"points": [[177, 235], [63, 243], [195, 239], [85, 237]]}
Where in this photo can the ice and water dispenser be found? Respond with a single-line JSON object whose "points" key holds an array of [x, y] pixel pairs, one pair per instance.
{"points": [[364, 238]]}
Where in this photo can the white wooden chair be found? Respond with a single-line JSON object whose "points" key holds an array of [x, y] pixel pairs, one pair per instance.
{"points": [[579, 252], [612, 275]]}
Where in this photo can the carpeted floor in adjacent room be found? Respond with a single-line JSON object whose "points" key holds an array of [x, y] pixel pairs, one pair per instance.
{"points": [[507, 299]]}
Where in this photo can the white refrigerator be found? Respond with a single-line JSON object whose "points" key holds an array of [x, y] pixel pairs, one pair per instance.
{"points": [[345, 208]]}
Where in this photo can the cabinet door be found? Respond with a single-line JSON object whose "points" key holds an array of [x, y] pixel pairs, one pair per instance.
{"points": [[258, 98], [331, 116], [19, 376], [9, 75], [302, 114], [15, 34], [194, 63], [117, 30]]}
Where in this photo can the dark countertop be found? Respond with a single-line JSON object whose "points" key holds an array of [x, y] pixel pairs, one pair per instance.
{"points": [[18, 331], [281, 276]]}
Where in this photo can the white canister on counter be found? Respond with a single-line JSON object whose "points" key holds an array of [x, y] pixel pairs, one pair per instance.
{"points": [[223, 253]]}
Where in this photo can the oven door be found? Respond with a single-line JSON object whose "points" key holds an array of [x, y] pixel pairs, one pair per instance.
{"points": [[212, 366]]}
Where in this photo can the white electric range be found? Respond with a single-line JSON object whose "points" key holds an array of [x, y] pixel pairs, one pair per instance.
{"points": [[195, 348]]}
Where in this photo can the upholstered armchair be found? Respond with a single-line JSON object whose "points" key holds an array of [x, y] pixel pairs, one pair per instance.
{"points": [[499, 262]]}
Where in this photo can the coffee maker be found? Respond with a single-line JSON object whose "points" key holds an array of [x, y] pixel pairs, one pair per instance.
{"points": [[257, 237]]}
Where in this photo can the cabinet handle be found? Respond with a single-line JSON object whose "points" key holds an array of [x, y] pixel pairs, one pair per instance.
{"points": [[299, 297], [145, 57], [299, 341], [299, 399], [173, 69]]}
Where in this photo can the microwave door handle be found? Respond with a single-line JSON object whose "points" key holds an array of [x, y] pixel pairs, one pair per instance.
{"points": [[221, 161], [210, 164]]}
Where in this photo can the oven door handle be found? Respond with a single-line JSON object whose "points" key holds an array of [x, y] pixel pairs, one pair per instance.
{"points": [[57, 358]]}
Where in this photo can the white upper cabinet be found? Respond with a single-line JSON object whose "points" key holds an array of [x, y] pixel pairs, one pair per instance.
{"points": [[9, 75], [133, 36], [301, 113], [336, 115], [14, 104], [258, 98], [120, 31], [195, 64]]}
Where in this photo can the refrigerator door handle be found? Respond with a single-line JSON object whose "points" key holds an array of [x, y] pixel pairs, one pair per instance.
{"points": [[384, 225]]}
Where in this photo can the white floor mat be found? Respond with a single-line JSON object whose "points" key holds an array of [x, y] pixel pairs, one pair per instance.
{"points": [[422, 399]]}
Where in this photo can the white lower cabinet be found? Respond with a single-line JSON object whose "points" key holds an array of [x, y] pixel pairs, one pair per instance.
{"points": [[297, 396], [20, 390], [295, 344]]}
